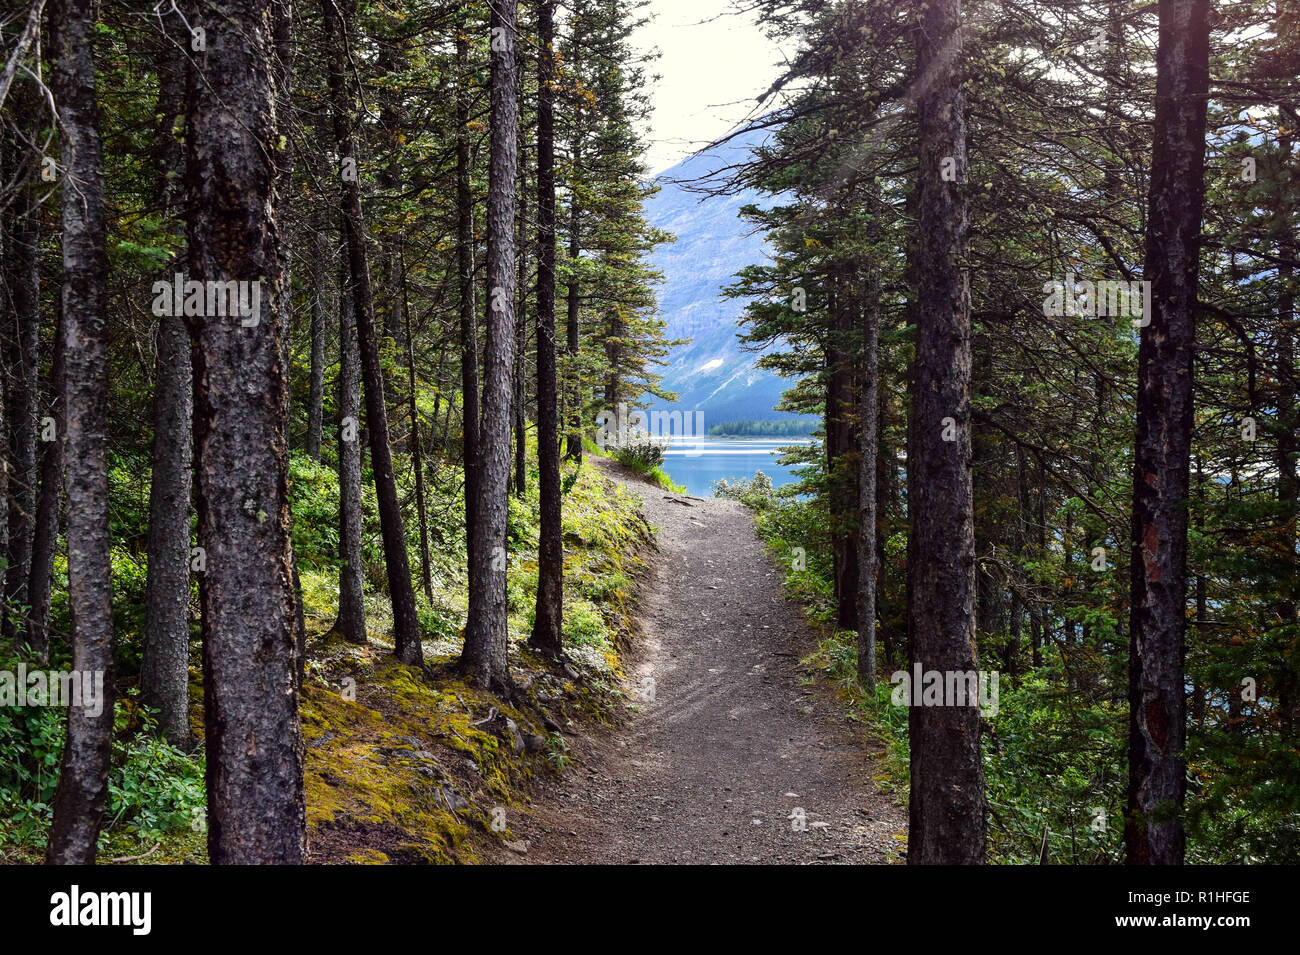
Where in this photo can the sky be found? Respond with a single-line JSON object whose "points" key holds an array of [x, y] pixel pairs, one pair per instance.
{"points": [[713, 64]]}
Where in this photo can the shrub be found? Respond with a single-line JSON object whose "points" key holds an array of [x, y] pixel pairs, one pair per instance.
{"points": [[153, 787], [756, 492], [584, 626], [641, 451]]}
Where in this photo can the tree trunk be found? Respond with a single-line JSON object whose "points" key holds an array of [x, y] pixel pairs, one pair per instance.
{"points": [[1288, 483], [1022, 606], [573, 306], [869, 447], [1153, 832], [165, 659], [284, 49], [417, 453], [8, 160], [351, 621], [520, 481], [484, 656], [83, 778], [465, 272], [254, 740], [46, 536], [947, 797], [547, 633], [164, 665], [1039, 624], [435, 442], [316, 387], [885, 478], [406, 627], [840, 448], [1067, 547]]}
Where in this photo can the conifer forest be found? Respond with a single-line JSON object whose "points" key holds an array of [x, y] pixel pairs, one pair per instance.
{"points": [[425, 440]]}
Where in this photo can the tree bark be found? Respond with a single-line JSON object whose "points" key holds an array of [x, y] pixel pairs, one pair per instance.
{"points": [[1153, 831], [840, 447], [947, 822], [1021, 605], [465, 272], [417, 453], [885, 478], [9, 160], [519, 483], [573, 449], [164, 664], [1038, 622], [351, 621], [869, 448], [435, 442], [46, 536], [573, 304], [484, 658], [83, 778], [316, 386], [547, 634], [254, 740], [1288, 443], [285, 48]]}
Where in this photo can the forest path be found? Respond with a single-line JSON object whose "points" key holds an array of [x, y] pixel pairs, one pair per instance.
{"points": [[714, 767]]}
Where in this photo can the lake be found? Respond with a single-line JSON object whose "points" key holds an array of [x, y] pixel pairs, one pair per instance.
{"points": [[697, 462]]}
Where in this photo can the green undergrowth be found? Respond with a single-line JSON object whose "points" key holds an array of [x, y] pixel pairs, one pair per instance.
{"points": [[402, 764], [653, 473], [661, 477], [155, 804], [1052, 767], [643, 456]]}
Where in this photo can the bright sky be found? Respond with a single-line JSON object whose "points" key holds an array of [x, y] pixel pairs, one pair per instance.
{"points": [[713, 65]]}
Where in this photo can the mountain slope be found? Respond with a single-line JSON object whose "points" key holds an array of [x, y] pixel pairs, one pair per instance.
{"points": [[711, 373]]}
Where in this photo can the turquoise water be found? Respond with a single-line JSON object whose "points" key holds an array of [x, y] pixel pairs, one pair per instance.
{"points": [[696, 463]]}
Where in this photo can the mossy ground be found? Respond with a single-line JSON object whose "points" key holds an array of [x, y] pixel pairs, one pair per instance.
{"points": [[411, 765]]}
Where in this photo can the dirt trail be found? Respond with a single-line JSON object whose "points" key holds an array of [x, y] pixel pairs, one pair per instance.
{"points": [[716, 766]]}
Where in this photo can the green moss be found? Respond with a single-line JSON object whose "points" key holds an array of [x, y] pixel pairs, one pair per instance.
{"points": [[389, 766], [411, 767], [367, 857]]}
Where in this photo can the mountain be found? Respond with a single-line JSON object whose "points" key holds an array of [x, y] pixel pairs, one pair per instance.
{"points": [[712, 372]]}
